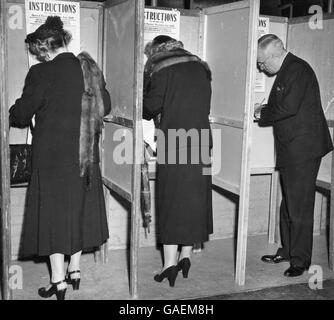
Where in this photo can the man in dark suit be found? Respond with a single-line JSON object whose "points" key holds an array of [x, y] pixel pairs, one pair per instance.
{"points": [[302, 138]]}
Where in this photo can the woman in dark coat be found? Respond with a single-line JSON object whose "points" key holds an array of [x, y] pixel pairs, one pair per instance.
{"points": [[65, 211], [178, 91]]}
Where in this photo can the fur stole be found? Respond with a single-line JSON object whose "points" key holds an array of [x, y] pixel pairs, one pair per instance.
{"points": [[165, 59], [92, 113]]}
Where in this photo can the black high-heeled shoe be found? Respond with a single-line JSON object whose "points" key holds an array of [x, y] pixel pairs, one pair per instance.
{"points": [[170, 273], [60, 294], [184, 265], [75, 282]]}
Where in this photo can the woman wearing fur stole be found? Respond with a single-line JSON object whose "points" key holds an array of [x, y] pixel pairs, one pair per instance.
{"points": [[177, 94], [65, 211]]}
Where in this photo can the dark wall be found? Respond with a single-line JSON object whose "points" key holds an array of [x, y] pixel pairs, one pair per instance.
{"points": [[268, 7], [300, 7]]}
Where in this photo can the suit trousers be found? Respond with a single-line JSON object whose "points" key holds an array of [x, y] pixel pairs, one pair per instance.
{"points": [[297, 211]]}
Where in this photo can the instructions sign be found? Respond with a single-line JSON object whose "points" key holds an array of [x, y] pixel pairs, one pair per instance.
{"points": [[68, 11], [260, 82], [161, 22]]}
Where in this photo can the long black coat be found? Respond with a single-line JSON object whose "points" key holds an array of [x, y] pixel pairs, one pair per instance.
{"points": [[294, 109], [61, 215], [182, 94]]}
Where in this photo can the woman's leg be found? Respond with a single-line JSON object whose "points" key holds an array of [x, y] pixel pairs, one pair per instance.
{"points": [[170, 255], [57, 269], [185, 252], [75, 265]]}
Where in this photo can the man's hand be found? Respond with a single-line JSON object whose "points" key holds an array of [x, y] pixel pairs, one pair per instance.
{"points": [[257, 110]]}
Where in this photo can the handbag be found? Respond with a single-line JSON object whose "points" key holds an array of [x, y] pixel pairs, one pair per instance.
{"points": [[20, 162]]}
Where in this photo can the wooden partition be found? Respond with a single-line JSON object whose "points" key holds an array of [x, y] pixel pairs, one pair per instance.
{"points": [[5, 244], [230, 42], [123, 67]]}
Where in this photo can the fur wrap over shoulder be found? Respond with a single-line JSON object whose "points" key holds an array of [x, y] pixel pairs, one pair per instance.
{"points": [[92, 113]]}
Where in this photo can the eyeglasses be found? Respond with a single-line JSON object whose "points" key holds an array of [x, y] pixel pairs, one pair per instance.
{"points": [[261, 64]]}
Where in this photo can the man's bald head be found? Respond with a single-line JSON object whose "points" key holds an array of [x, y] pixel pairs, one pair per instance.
{"points": [[271, 53], [271, 42]]}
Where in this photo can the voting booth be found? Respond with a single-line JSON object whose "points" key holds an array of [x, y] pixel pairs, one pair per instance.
{"points": [[14, 67], [226, 37]]}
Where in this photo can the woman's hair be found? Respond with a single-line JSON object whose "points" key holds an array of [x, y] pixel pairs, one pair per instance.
{"points": [[49, 37], [162, 43], [161, 39]]}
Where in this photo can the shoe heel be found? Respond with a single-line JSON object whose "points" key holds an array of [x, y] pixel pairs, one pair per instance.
{"points": [[184, 266], [75, 284], [172, 277], [61, 294], [185, 273]]}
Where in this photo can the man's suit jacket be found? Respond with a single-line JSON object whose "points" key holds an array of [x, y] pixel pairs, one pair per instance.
{"points": [[294, 109]]}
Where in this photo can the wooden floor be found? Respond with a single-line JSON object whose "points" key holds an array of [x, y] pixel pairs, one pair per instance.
{"points": [[211, 274], [300, 291]]}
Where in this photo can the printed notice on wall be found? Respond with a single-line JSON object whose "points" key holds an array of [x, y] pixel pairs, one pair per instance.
{"points": [[260, 83], [161, 22], [68, 11], [158, 22]]}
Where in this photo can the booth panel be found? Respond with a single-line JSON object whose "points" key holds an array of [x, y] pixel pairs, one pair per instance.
{"points": [[190, 33], [228, 177], [17, 61], [263, 146], [226, 46], [117, 146], [119, 70], [119, 57], [91, 33], [309, 45], [225, 50]]}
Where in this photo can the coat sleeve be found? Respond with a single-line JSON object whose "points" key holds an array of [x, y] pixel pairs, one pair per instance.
{"points": [[21, 113], [154, 95], [288, 101]]}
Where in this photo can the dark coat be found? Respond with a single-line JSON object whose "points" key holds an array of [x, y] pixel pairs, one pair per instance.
{"points": [[182, 94], [294, 109], [61, 215], [53, 92]]}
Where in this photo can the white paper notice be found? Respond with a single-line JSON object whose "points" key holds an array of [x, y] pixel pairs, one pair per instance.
{"points": [[263, 28], [161, 22], [68, 11]]}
